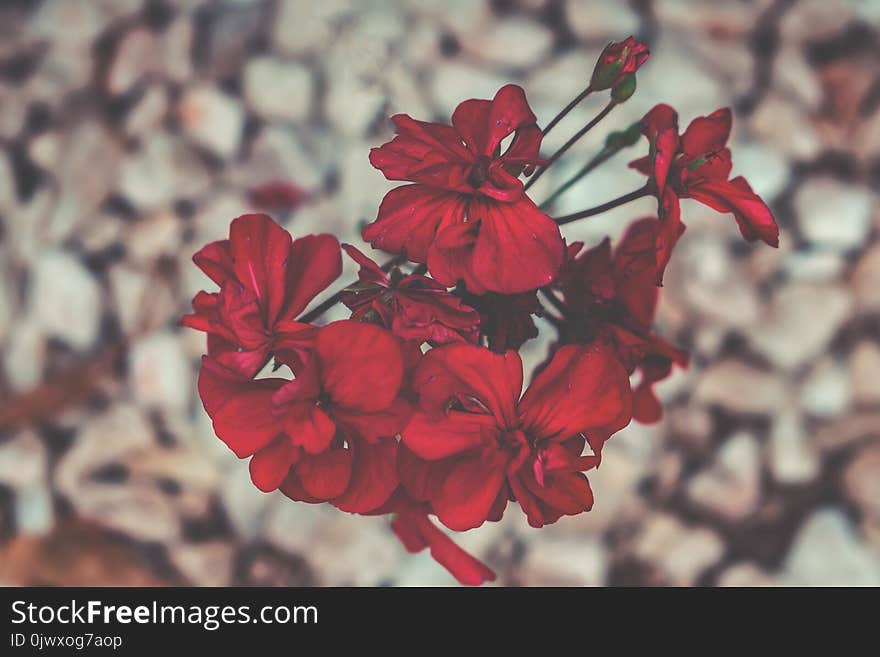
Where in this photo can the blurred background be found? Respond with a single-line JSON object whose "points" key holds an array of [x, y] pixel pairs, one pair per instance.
{"points": [[131, 130]]}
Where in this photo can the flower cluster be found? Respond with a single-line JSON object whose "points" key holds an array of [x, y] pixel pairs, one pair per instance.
{"points": [[415, 405]]}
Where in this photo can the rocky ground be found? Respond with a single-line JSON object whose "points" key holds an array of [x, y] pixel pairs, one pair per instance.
{"points": [[130, 130]]}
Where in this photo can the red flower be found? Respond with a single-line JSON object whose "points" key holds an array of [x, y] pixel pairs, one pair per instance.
{"points": [[618, 59], [506, 319], [613, 299], [697, 165], [326, 435], [415, 308], [482, 445], [266, 279], [277, 195], [467, 216]]}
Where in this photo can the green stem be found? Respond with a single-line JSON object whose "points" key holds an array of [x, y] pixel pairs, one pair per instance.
{"points": [[556, 119], [571, 142], [610, 205], [603, 155]]}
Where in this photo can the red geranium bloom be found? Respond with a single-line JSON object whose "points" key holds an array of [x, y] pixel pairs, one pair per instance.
{"points": [[326, 435], [482, 445], [697, 165], [613, 299], [415, 308], [266, 279], [618, 59], [467, 216]]}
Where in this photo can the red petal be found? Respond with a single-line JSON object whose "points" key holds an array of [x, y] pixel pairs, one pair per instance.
{"points": [[260, 249], [431, 439], [518, 247], [309, 427], [706, 134], [373, 477], [361, 365], [216, 261], [752, 215], [270, 465], [315, 262], [326, 475], [241, 409], [448, 372], [584, 389], [410, 216], [465, 498], [660, 126]]}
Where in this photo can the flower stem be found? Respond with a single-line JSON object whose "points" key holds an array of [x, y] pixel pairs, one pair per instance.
{"points": [[331, 301], [610, 205], [556, 119], [571, 142], [603, 155]]}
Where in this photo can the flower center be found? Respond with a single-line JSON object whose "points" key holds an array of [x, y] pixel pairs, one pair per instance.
{"points": [[480, 172]]}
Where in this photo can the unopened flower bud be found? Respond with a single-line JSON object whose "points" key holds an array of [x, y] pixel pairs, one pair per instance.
{"points": [[619, 59], [624, 138]]}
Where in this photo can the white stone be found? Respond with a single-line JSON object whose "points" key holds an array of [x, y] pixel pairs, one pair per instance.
{"points": [[826, 392], [23, 461], [794, 457], [792, 332], [784, 124], [731, 487], [353, 104], [24, 354], [212, 119], [159, 371], [740, 388], [512, 42], [682, 554], [827, 552], [745, 574], [565, 562], [66, 299], [148, 114], [834, 215], [813, 265], [600, 19], [128, 287], [279, 89], [793, 75], [300, 27], [163, 170], [136, 57]]}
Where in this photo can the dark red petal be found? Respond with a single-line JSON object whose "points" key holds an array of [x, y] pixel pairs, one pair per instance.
{"points": [[241, 409], [465, 498], [376, 424], [706, 134], [450, 258], [432, 439], [518, 247], [216, 261], [752, 215], [326, 475], [260, 249], [370, 271], [270, 465], [373, 477], [660, 126], [671, 230], [361, 365], [409, 218], [416, 532], [584, 389], [635, 271], [309, 427], [509, 111], [315, 261], [471, 120], [452, 371]]}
